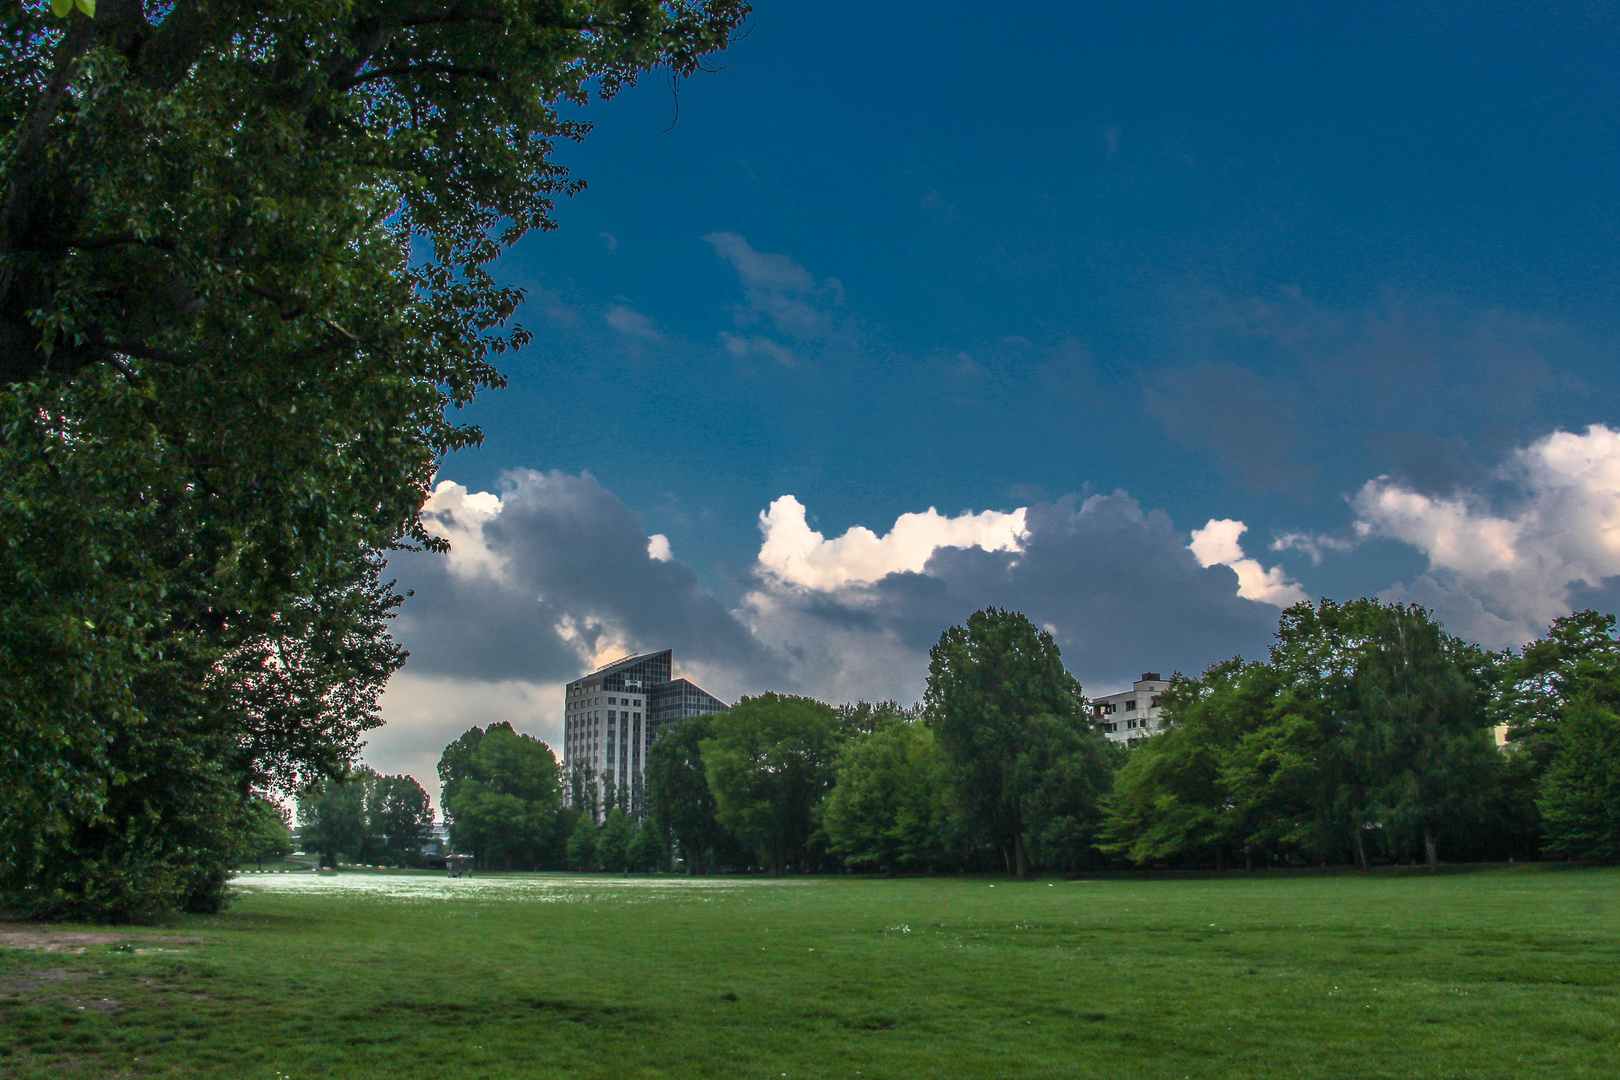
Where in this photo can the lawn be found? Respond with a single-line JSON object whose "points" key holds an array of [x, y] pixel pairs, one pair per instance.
{"points": [[1502, 973]]}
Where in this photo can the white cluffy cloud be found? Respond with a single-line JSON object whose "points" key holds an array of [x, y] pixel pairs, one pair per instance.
{"points": [[1217, 544], [797, 555], [1499, 576], [455, 514]]}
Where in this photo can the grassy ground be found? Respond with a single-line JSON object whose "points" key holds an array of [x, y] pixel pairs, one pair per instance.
{"points": [[1492, 974], [253, 866]]}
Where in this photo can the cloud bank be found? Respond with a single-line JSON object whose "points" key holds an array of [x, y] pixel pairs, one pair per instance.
{"points": [[792, 553], [553, 574], [1216, 544], [1500, 568]]}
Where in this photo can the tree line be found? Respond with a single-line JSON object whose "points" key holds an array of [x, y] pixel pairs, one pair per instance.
{"points": [[1368, 736], [366, 817]]}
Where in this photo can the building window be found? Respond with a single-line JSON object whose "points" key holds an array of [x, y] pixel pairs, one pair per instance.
{"points": [[1153, 702], [1130, 706]]}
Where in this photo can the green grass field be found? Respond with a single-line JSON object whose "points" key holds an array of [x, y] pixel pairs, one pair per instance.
{"points": [[1508, 973]]}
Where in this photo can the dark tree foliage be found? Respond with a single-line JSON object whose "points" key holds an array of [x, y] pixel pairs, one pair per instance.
{"points": [[680, 800], [332, 814], [769, 762], [267, 835], [648, 851], [1000, 701], [399, 821], [864, 717], [614, 840], [367, 818], [1366, 734], [1424, 742], [502, 796], [1560, 699], [242, 251], [582, 845], [1580, 791], [1577, 657], [890, 807]]}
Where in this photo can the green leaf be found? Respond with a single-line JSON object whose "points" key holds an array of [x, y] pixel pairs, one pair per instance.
{"points": [[86, 6], [61, 8]]}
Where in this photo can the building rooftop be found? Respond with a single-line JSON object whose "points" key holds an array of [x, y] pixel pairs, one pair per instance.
{"points": [[623, 661]]}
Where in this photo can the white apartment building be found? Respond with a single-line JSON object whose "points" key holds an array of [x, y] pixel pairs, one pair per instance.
{"points": [[1131, 714]]}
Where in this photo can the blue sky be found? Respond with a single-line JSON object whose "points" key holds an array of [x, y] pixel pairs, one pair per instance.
{"points": [[1344, 274]]}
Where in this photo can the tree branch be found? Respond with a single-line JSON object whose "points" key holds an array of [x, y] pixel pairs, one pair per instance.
{"points": [[405, 70], [188, 29], [97, 243]]}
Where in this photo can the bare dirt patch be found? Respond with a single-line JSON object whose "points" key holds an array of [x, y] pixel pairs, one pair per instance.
{"points": [[31, 981], [44, 939]]}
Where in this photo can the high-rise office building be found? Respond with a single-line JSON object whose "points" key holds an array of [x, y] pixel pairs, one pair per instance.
{"points": [[612, 716]]}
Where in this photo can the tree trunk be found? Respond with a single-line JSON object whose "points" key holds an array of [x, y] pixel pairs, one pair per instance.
{"points": [[1020, 856], [1430, 840], [1220, 858], [1248, 859], [1361, 849]]}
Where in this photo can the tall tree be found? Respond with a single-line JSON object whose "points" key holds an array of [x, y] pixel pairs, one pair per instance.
{"points": [[769, 761], [1424, 731], [582, 843], [507, 797], [613, 842], [1559, 698], [889, 808], [399, 820], [990, 684], [679, 797], [332, 814], [1577, 657], [1580, 791], [647, 850], [242, 251]]}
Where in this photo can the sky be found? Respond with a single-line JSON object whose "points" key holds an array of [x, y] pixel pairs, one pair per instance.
{"points": [[1145, 320]]}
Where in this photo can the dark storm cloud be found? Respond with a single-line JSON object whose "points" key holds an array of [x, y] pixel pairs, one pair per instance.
{"points": [[1250, 423], [1117, 586], [559, 570], [1286, 390], [574, 575]]}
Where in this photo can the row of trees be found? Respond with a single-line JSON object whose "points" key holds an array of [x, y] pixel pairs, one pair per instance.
{"points": [[1365, 737], [1368, 736], [999, 768], [367, 818]]}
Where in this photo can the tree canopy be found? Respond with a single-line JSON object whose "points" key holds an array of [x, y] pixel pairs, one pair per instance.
{"points": [[502, 794], [242, 283], [1368, 720], [366, 817], [769, 761], [1002, 705]]}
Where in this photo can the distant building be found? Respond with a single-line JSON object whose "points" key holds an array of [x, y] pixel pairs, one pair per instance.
{"points": [[1133, 714], [612, 716]]}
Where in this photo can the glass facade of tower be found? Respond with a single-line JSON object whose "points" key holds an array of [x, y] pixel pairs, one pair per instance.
{"points": [[612, 716]]}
